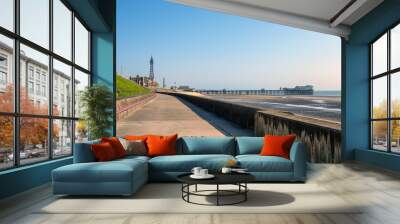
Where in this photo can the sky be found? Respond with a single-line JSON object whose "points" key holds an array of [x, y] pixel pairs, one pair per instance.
{"points": [[212, 50]]}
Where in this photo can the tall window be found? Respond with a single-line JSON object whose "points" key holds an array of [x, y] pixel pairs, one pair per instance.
{"points": [[40, 58], [385, 91]]}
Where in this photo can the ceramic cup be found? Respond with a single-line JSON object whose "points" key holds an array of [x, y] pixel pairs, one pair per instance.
{"points": [[226, 170], [203, 172], [196, 171]]}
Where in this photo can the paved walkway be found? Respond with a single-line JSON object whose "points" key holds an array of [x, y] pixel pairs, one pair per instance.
{"points": [[166, 115]]}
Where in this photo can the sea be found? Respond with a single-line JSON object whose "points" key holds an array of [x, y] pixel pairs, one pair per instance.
{"points": [[324, 105], [327, 93]]}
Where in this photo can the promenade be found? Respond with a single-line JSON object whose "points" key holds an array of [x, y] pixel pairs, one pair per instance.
{"points": [[166, 115]]}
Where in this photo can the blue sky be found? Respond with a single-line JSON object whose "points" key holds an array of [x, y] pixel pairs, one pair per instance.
{"points": [[211, 50]]}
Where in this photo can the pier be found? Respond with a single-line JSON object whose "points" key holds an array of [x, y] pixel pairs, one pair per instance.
{"points": [[298, 90]]}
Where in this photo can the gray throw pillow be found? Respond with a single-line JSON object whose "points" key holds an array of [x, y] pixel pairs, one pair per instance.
{"points": [[136, 147]]}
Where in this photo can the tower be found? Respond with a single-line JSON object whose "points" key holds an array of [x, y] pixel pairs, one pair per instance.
{"points": [[151, 75]]}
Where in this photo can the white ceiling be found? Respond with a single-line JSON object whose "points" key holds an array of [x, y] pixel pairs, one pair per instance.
{"points": [[322, 9], [315, 15]]}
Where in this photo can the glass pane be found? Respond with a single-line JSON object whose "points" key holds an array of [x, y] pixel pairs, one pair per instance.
{"points": [[62, 89], [62, 29], [34, 97], [379, 55], [395, 47], [62, 138], [81, 131], [81, 82], [6, 142], [395, 138], [379, 135], [7, 14], [395, 94], [81, 45], [35, 21], [379, 97], [33, 139], [6, 74]]}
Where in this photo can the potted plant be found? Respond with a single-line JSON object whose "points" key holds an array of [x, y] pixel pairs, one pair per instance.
{"points": [[96, 102]]}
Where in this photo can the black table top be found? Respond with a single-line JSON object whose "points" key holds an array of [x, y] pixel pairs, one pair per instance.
{"points": [[220, 178]]}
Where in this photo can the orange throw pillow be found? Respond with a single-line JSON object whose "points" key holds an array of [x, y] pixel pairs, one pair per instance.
{"points": [[277, 145], [116, 145], [161, 145], [136, 137], [103, 152]]}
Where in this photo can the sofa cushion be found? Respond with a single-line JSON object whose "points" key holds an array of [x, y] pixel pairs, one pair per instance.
{"points": [[249, 145], [112, 171], [275, 145], [116, 145], [134, 147], [132, 158], [103, 152], [161, 145], [257, 163], [185, 163], [83, 152], [206, 145]]}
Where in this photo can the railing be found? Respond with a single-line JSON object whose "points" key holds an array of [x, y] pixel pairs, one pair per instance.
{"points": [[126, 105], [323, 138]]}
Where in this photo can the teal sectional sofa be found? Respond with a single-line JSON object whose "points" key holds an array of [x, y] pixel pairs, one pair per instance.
{"points": [[125, 176]]}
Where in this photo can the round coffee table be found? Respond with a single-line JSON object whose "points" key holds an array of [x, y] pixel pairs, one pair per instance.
{"points": [[238, 179]]}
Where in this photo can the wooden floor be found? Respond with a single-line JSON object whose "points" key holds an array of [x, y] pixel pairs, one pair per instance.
{"points": [[379, 190]]}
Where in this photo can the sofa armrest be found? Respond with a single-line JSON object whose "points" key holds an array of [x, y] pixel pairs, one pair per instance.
{"points": [[298, 155], [83, 152]]}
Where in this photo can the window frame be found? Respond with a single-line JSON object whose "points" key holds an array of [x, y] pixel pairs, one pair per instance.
{"points": [[16, 114], [388, 74]]}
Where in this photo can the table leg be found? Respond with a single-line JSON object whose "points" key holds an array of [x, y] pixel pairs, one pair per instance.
{"points": [[188, 190], [217, 194], [245, 193], [195, 188]]}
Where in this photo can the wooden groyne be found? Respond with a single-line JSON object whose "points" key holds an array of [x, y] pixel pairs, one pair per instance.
{"points": [[323, 138]]}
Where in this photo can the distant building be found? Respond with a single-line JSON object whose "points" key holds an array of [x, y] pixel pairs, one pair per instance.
{"points": [[146, 81], [185, 88], [34, 80]]}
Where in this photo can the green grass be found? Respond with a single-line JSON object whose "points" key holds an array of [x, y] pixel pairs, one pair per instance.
{"points": [[127, 88]]}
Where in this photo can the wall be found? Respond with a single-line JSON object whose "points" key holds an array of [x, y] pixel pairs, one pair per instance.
{"points": [[355, 80], [24, 178], [103, 65]]}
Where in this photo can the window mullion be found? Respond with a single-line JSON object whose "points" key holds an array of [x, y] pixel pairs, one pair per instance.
{"points": [[16, 85], [389, 104], [73, 81], [50, 81]]}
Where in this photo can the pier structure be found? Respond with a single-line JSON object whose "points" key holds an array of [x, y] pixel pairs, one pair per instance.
{"points": [[298, 90]]}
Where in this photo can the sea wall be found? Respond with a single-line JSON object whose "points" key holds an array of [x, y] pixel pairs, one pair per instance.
{"points": [[323, 138]]}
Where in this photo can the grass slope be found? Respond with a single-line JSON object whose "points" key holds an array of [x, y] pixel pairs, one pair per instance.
{"points": [[126, 88]]}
